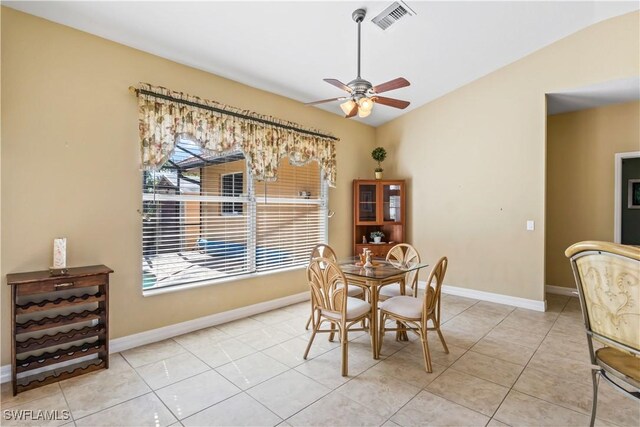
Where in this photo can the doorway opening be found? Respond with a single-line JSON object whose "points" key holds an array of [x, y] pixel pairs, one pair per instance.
{"points": [[627, 198]]}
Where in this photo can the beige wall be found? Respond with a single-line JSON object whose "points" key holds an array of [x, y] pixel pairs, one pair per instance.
{"points": [[475, 159], [70, 166], [581, 147]]}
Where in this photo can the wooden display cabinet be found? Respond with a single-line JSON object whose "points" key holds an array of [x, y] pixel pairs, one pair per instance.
{"points": [[56, 319], [378, 205]]}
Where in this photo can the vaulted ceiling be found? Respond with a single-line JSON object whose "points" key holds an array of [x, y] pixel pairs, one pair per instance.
{"points": [[289, 47]]}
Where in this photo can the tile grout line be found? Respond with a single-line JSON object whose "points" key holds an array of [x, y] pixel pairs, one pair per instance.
{"points": [[484, 336], [282, 373], [529, 361], [469, 349], [241, 390], [64, 396], [446, 369], [524, 367], [255, 385], [151, 388], [472, 375], [335, 389], [211, 368], [343, 384], [126, 400], [227, 379]]}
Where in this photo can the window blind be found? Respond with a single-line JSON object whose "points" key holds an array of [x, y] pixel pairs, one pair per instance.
{"points": [[204, 218], [290, 217]]}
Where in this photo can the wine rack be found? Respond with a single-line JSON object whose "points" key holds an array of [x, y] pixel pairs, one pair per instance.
{"points": [[55, 320]]}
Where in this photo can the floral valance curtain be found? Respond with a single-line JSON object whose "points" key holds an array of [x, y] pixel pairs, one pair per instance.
{"points": [[162, 120]]}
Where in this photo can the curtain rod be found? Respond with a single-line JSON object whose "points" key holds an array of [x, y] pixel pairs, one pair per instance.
{"points": [[229, 113]]}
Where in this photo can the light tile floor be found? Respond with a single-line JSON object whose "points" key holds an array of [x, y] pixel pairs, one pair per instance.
{"points": [[506, 366]]}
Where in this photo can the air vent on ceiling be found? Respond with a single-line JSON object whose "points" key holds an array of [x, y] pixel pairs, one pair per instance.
{"points": [[392, 14]]}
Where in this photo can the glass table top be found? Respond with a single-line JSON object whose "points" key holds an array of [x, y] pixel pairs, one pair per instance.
{"points": [[381, 269]]}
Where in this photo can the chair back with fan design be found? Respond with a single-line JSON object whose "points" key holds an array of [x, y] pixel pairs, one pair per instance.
{"points": [[326, 281], [322, 250], [404, 254]]}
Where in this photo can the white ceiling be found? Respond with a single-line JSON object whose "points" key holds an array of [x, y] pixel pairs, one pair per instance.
{"points": [[289, 47], [592, 96]]}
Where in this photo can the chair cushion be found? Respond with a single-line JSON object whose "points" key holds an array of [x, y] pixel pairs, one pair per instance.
{"points": [[355, 308], [404, 306], [619, 361], [390, 291], [354, 291]]}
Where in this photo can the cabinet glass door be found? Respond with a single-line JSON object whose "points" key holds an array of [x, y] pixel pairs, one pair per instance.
{"points": [[367, 203], [391, 202]]}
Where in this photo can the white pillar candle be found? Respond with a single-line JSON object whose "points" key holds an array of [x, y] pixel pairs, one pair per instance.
{"points": [[60, 253]]}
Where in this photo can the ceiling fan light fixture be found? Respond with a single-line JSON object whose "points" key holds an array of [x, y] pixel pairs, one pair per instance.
{"points": [[362, 113], [365, 104], [347, 107], [362, 94]]}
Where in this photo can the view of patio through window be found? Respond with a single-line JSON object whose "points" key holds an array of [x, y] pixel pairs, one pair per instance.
{"points": [[206, 218]]}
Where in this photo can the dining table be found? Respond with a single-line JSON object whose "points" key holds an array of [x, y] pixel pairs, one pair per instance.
{"points": [[381, 273]]}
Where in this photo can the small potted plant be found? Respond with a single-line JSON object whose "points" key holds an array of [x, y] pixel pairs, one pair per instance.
{"points": [[379, 154], [377, 236]]}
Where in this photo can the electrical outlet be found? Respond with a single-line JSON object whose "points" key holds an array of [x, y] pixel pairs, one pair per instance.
{"points": [[531, 225]]}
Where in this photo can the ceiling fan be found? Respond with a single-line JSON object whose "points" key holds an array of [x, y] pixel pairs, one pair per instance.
{"points": [[362, 94]]}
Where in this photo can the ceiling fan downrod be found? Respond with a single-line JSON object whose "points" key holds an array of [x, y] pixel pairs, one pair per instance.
{"points": [[359, 86], [358, 16]]}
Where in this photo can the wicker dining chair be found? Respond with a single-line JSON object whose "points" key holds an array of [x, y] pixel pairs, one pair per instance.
{"points": [[322, 250], [402, 254], [414, 314], [607, 276], [332, 304]]}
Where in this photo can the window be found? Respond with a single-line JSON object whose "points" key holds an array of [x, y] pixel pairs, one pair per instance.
{"points": [[205, 218], [232, 186]]}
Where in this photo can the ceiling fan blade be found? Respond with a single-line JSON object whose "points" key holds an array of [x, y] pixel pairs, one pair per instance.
{"points": [[338, 84], [391, 102], [353, 111], [325, 100], [391, 85]]}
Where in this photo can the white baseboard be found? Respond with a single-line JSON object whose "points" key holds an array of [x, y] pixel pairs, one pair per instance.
{"points": [[166, 332], [491, 297], [561, 290], [5, 373]]}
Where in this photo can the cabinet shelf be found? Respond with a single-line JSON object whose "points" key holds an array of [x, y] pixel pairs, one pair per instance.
{"points": [[32, 344], [57, 356], [28, 383], [60, 320], [33, 307]]}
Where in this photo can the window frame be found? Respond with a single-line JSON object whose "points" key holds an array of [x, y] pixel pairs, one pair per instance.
{"points": [[252, 203], [233, 205]]}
